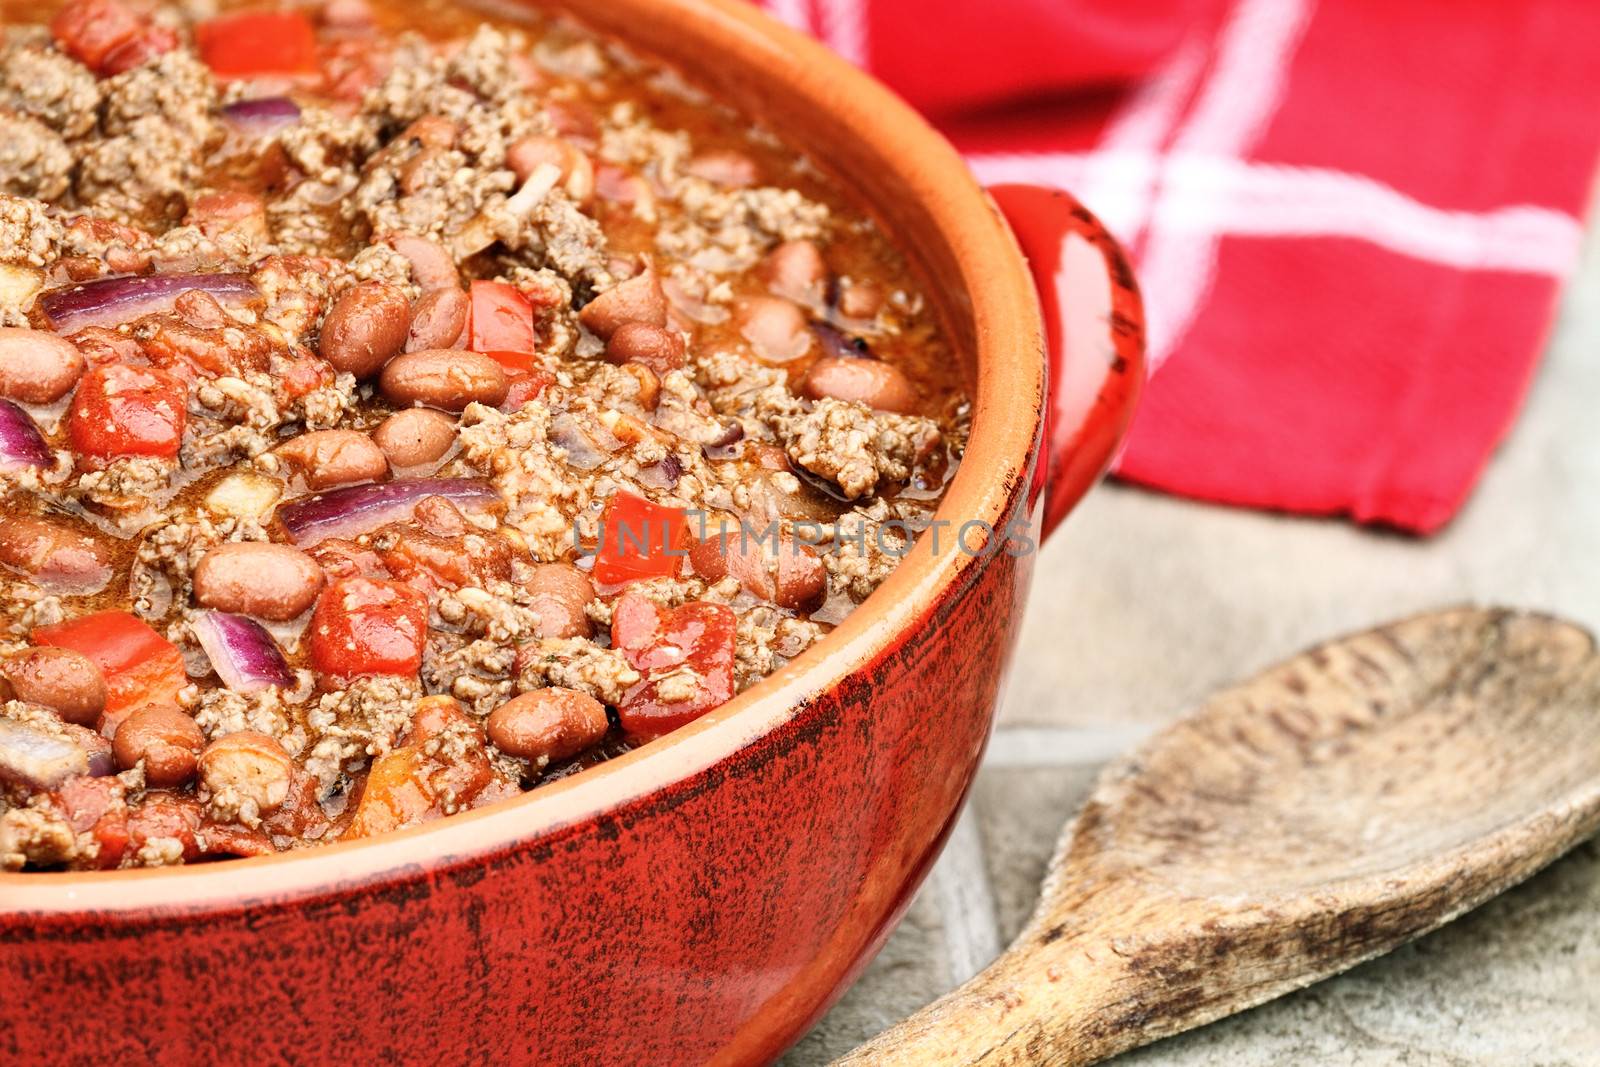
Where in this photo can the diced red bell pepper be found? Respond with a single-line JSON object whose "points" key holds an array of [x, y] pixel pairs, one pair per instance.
{"points": [[302, 374], [501, 319], [254, 44], [639, 539], [95, 805], [168, 816], [368, 626], [523, 388], [528, 379], [139, 49], [140, 666], [659, 642], [396, 794], [409, 784], [516, 364], [107, 36], [120, 410], [340, 558]]}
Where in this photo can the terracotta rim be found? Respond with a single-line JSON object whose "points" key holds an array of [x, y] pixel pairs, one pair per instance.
{"points": [[990, 295]]}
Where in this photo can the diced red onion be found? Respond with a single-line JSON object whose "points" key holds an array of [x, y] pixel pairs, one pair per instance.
{"points": [[113, 301], [817, 482], [263, 115], [97, 748], [724, 445], [21, 443], [361, 509], [37, 759], [242, 652], [663, 475], [835, 342], [587, 445]]}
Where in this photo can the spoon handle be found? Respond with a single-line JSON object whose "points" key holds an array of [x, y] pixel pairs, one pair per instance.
{"points": [[1039, 1003], [1310, 819]]}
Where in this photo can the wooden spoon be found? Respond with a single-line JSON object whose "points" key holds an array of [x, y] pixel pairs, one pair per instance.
{"points": [[1323, 813]]}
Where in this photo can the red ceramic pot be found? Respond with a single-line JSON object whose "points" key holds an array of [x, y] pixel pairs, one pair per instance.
{"points": [[705, 898]]}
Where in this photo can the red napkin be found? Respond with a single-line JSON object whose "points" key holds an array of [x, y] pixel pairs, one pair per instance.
{"points": [[1351, 218]]}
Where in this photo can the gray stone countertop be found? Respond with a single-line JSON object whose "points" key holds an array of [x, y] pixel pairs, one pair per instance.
{"points": [[1167, 600]]}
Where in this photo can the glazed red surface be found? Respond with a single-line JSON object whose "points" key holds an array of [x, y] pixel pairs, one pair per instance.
{"points": [[711, 920]]}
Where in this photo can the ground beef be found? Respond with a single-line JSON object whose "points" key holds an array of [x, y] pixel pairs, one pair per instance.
{"points": [[296, 291], [150, 165], [28, 235], [270, 711], [186, 248], [477, 673], [127, 489], [854, 447], [324, 141], [528, 471], [34, 159], [767, 639], [556, 234], [576, 663], [176, 89], [41, 838], [352, 725], [863, 551], [43, 83]]}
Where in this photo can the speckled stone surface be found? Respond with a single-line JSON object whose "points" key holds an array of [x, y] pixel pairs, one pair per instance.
{"points": [[1165, 601]]}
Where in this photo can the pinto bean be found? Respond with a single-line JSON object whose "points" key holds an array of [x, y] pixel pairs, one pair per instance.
{"points": [[365, 328], [659, 348], [860, 300], [347, 14], [649, 394], [559, 592], [68, 682], [253, 765], [415, 437], [431, 265], [726, 167], [873, 382], [433, 131], [639, 299], [36, 366], [620, 186], [439, 516], [572, 118], [328, 458], [795, 270], [577, 172], [443, 378], [449, 561], [547, 724], [275, 582], [776, 329], [166, 739], [438, 319], [217, 214], [423, 170], [201, 310], [54, 553], [789, 573], [436, 714]]}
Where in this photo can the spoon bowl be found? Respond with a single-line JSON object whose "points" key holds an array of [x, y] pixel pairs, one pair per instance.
{"points": [[1323, 813]]}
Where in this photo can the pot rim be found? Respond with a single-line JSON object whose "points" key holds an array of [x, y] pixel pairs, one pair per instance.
{"points": [[991, 289]]}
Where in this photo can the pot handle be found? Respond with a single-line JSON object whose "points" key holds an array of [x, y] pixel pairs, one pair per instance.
{"points": [[1094, 330]]}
